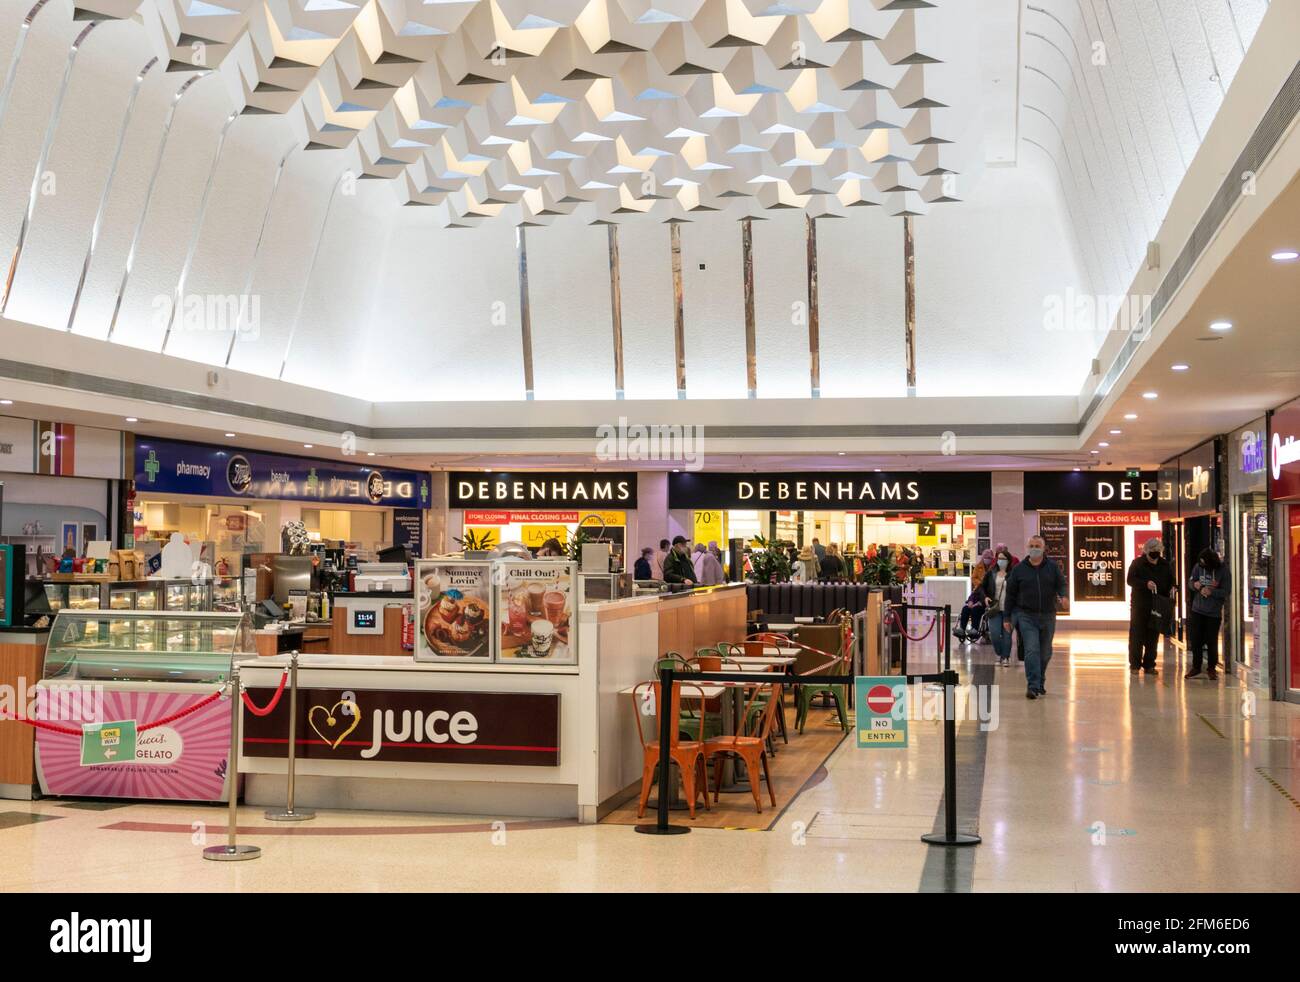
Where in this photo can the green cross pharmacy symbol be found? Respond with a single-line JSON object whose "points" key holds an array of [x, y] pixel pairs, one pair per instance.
{"points": [[151, 465], [424, 491], [312, 481]]}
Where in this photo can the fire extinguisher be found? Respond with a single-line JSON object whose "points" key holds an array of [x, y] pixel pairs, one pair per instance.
{"points": [[408, 627]]}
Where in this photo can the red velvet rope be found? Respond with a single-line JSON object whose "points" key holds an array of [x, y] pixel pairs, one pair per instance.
{"points": [[68, 731], [270, 706], [902, 630]]}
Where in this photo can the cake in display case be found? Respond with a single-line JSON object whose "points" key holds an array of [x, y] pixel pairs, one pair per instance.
{"points": [[151, 675]]}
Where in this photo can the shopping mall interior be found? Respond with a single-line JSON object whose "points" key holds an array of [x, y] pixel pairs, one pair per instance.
{"points": [[523, 444]]}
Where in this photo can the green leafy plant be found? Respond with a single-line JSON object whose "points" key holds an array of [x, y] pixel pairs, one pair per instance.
{"points": [[476, 541], [768, 562], [579, 539], [882, 569]]}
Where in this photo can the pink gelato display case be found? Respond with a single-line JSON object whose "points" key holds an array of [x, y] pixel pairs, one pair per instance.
{"points": [[138, 702]]}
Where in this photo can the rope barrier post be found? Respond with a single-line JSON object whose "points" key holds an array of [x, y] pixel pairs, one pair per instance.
{"points": [[288, 814], [661, 826], [950, 836], [232, 852]]}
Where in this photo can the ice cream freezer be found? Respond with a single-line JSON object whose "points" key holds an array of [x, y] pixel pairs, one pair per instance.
{"points": [[137, 686]]}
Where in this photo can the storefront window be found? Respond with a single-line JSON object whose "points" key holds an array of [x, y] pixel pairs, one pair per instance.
{"points": [[1293, 579]]}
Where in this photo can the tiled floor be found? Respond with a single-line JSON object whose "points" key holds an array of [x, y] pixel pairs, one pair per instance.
{"points": [[1192, 794]]}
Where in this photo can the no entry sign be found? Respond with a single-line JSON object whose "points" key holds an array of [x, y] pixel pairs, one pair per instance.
{"points": [[882, 711]]}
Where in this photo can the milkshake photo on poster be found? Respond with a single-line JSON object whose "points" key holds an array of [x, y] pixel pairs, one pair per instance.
{"points": [[535, 610]]}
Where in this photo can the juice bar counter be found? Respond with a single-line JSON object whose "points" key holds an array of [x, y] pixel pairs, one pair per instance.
{"points": [[521, 738]]}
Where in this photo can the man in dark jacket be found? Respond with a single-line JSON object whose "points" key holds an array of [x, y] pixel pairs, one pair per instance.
{"points": [[678, 568], [1149, 576], [643, 569], [1035, 589]]}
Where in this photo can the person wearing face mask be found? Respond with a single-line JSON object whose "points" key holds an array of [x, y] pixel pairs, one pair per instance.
{"points": [[1035, 588], [994, 589], [1149, 576], [1210, 584]]}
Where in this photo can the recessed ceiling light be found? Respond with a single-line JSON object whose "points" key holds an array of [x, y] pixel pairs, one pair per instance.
{"points": [[132, 419], [6, 402], [1094, 451], [1221, 326], [230, 434], [1103, 444], [841, 453], [1286, 256], [370, 453], [307, 446], [1179, 367], [1130, 415], [1116, 432], [1078, 468], [1150, 395]]}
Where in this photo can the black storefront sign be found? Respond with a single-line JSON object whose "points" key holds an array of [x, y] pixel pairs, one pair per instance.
{"points": [[404, 725], [541, 489], [837, 491], [1189, 483], [1090, 491], [1054, 530], [1098, 563]]}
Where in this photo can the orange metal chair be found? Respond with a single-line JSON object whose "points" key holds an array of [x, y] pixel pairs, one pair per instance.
{"points": [[751, 748], [687, 754]]}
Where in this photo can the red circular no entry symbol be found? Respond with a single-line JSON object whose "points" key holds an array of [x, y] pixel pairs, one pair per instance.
{"points": [[880, 699]]}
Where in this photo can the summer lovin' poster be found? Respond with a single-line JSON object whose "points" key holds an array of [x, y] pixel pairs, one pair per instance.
{"points": [[453, 611]]}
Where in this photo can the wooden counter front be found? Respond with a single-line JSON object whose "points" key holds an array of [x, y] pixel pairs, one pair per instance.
{"points": [[22, 658], [701, 619]]}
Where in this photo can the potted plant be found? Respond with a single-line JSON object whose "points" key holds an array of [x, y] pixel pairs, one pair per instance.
{"points": [[768, 562]]}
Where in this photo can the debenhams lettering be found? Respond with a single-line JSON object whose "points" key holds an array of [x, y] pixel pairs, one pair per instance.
{"points": [[841, 492], [526, 492]]}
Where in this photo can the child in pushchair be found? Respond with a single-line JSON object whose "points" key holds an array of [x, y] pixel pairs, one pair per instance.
{"points": [[973, 612]]}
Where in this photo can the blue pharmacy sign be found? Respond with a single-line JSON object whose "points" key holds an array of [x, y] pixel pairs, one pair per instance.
{"points": [[175, 467]]}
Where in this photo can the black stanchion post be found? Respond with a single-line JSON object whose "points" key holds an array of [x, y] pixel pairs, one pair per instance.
{"points": [[950, 836], [664, 708], [946, 643]]}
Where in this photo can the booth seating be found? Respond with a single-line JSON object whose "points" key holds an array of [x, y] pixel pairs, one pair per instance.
{"points": [[781, 603]]}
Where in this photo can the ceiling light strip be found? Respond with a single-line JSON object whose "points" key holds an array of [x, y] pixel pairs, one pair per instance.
{"points": [[679, 308], [245, 297], [751, 334], [41, 160], [148, 198], [98, 224], [311, 267], [178, 297], [19, 45], [814, 317], [616, 307], [909, 302], [525, 312]]}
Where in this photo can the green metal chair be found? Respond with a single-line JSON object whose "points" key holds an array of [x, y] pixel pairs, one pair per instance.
{"points": [[837, 664]]}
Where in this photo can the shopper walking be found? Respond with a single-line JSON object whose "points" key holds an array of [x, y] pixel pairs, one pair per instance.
{"points": [[658, 560], [678, 568], [994, 588], [806, 566], [708, 571], [643, 568], [1211, 582], [819, 549], [1035, 589], [832, 566], [1150, 577]]}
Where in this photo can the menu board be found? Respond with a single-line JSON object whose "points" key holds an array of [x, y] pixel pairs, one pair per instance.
{"points": [[535, 609], [453, 611], [1054, 528], [1098, 563]]}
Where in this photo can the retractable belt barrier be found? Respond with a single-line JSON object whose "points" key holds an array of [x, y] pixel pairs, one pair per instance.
{"points": [[947, 678]]}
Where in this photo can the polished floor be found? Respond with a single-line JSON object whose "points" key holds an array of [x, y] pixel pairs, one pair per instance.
{"points": [[1110, 783]]}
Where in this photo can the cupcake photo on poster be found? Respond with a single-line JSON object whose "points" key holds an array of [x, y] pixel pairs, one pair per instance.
{"points": [[453, 612], [535, 612]]}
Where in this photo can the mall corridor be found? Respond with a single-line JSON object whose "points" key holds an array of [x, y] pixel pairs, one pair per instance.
{"points": [[1111, 783]]}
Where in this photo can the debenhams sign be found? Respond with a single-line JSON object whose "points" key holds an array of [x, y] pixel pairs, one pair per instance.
{"points": [[845, 491], [541, 490]]}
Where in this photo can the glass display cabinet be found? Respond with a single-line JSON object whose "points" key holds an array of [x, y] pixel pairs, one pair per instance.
{"points": [[135, 595], [146, 646], [73, 595]]}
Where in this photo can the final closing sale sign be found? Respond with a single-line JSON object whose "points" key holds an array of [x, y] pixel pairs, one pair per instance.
{"points": [[1098, 563]]}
